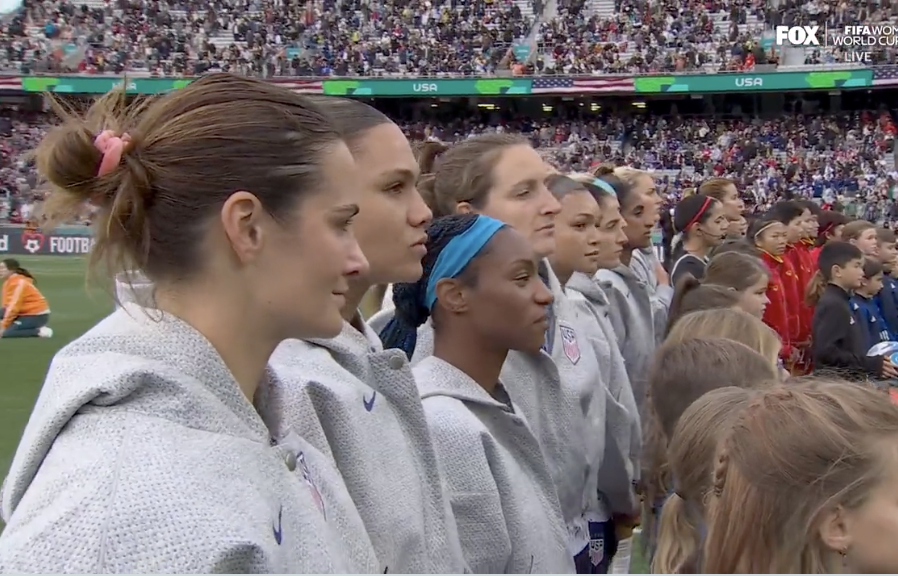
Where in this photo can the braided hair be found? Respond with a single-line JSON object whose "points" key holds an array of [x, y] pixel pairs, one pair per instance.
{"points": [[409, 297]]}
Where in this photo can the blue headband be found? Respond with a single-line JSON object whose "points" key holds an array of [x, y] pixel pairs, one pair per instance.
{"points": [[605, 186], [459, 252]]}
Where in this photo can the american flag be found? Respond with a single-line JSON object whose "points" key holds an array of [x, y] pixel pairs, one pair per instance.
{"points": [[10, 83], [552, 85], [885, 75], [300, 86]]}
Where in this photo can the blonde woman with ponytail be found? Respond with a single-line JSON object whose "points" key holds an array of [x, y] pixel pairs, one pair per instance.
{"points": [[691, 460]]}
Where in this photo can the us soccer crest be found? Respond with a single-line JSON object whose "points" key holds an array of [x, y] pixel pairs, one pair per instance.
{"points": [[596, 551], [307, 476], [569, 344]]}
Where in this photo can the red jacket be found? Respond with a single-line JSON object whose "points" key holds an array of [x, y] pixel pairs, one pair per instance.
{"points": [[798, 256], [776, 315]]}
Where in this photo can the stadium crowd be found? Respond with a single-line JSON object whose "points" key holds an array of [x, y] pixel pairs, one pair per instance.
{"points": [[850, 154], [387, 37]]}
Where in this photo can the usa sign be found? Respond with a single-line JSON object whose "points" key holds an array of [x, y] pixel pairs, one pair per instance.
{"points": [[25, 241]]}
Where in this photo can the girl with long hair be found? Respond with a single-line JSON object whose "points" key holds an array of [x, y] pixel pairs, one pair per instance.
{"points": [[684, 370], [804, 482], [746, 275], [144, 452]]}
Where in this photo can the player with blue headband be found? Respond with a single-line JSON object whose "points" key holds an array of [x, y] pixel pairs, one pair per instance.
{"points": [[482, 286], [453, 242]]}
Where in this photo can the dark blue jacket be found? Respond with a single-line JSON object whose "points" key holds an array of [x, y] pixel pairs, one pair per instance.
{"points": [[866, 313], [887, 299]]}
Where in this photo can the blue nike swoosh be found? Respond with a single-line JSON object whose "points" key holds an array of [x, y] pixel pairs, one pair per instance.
{"points": [[278, 532], [369, 404]]}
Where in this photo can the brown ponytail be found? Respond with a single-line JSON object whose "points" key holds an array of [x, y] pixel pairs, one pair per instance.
{"points": [[426, 153], [816, 286], [602, 170]]}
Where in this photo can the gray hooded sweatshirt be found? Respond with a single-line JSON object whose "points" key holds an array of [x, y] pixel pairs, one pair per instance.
{"points": [[643, 263], [359, 404], [502, 493], [622, 422], [638, 317], [143, 455], [560, 393]]}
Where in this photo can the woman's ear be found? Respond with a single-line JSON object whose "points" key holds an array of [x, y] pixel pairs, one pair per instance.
{"points": [[452, 295]]}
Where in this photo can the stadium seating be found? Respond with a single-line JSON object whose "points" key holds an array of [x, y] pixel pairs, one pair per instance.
{"points": [[427, 37], [824, 156]]}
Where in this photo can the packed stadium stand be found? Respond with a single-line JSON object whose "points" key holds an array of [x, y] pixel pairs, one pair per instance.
{"points": [[833, 151], [426, 37]]}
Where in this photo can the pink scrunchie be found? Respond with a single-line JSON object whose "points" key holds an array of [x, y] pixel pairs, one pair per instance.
{"points": [[112, 147]]}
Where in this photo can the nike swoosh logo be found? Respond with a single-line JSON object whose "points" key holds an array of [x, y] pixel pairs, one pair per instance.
{"points": [[369, 404], [278, 532]]}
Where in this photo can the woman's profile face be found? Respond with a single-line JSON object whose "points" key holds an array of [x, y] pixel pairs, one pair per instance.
{"points": [[519, 197], [509, 301], [302, 272], [754, 298], [714, 228], [576, 234], [392, 215], [612, 234]]}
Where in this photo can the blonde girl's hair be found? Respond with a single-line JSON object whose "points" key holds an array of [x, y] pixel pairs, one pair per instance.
{"points": [[735, 270], [796, 453], [691, 454], [729, 323], [681, 373], [854, 229]]}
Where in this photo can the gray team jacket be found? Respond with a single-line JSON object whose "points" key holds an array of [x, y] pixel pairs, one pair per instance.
{"points": [[643, 264], [623, 426], [359, 404], [561, 395], [638, 318], [143, 455], [501, 490]]}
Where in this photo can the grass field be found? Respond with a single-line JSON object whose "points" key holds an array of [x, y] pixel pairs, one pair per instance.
{"points": [[73, 309], [24, 361]]}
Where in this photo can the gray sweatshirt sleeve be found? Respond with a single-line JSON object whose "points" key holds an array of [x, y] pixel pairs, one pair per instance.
{"points": [[618, 310], [661, 299], [476, 503]]}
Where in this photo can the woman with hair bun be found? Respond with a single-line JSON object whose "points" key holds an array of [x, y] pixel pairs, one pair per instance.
{"points": [[482, 288], [144, 452]]}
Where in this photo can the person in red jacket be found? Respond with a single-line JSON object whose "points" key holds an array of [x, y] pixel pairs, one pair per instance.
{"points": [[796, 276], [769, 236], [829, 228]]}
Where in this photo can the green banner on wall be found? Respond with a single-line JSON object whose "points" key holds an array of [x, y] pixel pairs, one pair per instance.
{"points": [[100, 84], [423, 87], [838, 79]]}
